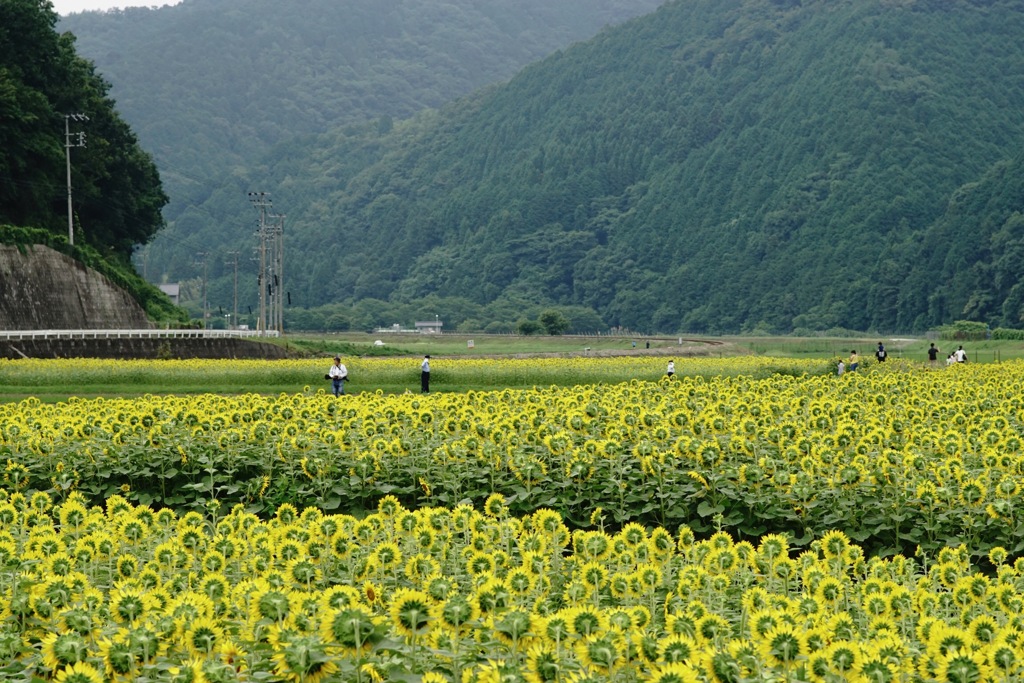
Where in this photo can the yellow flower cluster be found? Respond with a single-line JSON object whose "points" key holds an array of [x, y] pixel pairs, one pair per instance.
{"points": [[126, 593], [897, 459], [539, 371]]}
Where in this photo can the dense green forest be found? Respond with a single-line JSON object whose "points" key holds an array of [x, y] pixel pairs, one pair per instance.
{"points": [[969, 264], [211, 85], [717, 166], [117, 194], [116, 189]]}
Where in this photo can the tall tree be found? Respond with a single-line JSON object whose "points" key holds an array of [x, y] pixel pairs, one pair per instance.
{"points": [[116, 188]]}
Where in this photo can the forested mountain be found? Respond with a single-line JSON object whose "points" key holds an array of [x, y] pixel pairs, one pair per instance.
{"points": [[970, 263], [210, 85], [116, 190], [717, 166]]}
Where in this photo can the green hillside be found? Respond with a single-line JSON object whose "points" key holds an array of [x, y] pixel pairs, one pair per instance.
{"points": [[210, 85], [712, 167], [969, 264], [716, 166], [116, 190], [117, 195]]}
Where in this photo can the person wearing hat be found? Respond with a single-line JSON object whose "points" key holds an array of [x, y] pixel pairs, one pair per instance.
{"points": [[425, 375], [338, 374]]}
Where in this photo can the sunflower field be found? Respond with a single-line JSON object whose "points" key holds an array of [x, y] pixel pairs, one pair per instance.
{"points": [[729, 524]]}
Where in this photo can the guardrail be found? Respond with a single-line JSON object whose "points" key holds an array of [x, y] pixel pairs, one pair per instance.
{"points": [[18, 335]]}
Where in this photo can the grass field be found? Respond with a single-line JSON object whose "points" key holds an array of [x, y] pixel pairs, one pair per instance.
{"points": [[357, 343], [913, 348], [58, 380]]}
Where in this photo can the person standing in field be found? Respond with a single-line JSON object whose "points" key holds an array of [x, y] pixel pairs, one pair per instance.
{"points": [[425, 375], [933, 355], [841, 368], [338, 374], [671, 368], [854, 361], [960, 356], [880, 353]]}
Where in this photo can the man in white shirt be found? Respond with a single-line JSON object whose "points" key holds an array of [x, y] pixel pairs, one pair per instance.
{"points": [[425, 375], [338, 374]]}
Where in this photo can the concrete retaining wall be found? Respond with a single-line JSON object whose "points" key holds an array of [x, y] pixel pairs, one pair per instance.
{"points": [[43, 289], [140, 348]]}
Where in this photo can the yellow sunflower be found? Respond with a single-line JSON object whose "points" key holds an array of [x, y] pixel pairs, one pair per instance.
{"points": [[79, 672], [674, 673], [203, 636], [963, 666], [600, 652], [304, 659], [676, 648], [352, 628], [543, 664], [783, 645], [64, 649], [410, 612], [456, 611], [585, 620]]}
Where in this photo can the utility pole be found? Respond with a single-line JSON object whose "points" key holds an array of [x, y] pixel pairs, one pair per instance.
{"points": [[206, 263], [276, 276], [233, 260], [79, 142], [280, 276], [261, 201]]}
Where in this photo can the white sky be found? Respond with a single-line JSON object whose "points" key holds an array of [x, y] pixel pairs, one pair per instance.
{"points": [[68, 6]]}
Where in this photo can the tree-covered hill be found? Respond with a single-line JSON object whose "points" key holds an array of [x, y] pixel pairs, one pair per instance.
{"points": [[52, 101], [210, 85], [116, 189], [969, 264], [716, 166]]}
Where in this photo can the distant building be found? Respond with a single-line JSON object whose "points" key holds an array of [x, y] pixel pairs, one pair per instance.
{"points": [[172, 290], [429, 327]]}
